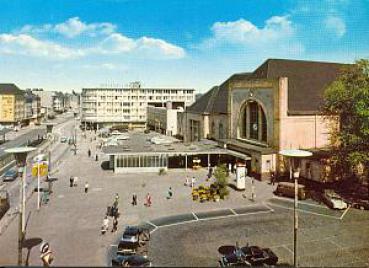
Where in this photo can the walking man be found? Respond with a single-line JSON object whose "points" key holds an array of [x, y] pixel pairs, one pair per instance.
{"points": [[97, 157], [134, 199], [170, 193], [89, 153], [253, 195], [71, 179], [115, 225], [86, 187]]}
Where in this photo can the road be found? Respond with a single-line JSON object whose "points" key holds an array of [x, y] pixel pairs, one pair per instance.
{"points": [[64, 127], [325, 237], [30, 134]]}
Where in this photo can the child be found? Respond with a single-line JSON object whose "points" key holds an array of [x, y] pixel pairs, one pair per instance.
{"points": [[170, 193]]}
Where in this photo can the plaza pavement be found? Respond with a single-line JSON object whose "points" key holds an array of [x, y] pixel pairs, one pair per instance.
{"points": [[72, 220]]}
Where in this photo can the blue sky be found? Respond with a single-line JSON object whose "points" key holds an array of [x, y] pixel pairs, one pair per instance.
{"points": [[67, 45]]}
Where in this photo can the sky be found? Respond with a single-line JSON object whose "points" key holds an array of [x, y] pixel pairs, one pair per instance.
{"points": [[67, 45]]}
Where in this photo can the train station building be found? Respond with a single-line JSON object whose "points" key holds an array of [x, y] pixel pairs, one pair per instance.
{"points": [[259, 113]]}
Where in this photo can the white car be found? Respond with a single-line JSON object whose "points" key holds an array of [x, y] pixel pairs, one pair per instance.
{"points": [[333, 200]]}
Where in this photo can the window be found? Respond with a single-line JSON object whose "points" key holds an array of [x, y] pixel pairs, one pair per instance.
{"points": [[253, 122]]}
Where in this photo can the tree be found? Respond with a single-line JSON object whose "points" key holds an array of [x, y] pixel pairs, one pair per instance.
{"points": [[221, 177], [347, 99]]}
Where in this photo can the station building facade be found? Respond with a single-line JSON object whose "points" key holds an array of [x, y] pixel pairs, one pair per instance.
{"points": [[259, 113]]}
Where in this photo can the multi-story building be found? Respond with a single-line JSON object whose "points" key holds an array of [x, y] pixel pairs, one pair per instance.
{"points": [[104, 107], [32, 107], [12, 108], [59, 102], [273, 108], [163, 119], [46, 98]]}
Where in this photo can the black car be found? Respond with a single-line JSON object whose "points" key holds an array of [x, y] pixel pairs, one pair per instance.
{"points": [[357, 202], [133, 237], [130, 261], [249, 256]]}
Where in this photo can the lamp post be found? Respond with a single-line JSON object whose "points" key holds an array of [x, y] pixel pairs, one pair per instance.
{"points": [[294, 156], [20, 155]]}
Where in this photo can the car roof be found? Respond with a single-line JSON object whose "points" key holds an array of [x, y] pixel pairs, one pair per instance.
{"points": [[131, 230]]}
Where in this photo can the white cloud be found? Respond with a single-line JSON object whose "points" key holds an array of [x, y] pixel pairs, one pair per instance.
{"points": [[105, 40], [27, 45], [246, 33], [144, 46], [153, 46], [335, 25], [71, 28]]}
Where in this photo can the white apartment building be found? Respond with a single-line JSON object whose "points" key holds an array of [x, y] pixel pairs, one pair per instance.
{"points": [[105, 107], [163, 119]]}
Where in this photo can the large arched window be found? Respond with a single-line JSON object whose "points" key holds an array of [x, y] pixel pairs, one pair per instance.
{"points": [[253, 123]]}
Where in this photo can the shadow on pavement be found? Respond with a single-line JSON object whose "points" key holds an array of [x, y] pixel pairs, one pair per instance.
{"points": [[29, 244]]}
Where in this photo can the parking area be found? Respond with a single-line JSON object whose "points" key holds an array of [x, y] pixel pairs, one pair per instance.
{"points": [[325, 237]]}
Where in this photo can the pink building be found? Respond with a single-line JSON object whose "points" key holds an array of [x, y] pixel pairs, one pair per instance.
{"points": [[259, 113]]}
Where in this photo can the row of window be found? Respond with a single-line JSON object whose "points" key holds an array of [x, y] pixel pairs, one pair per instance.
{"points": [[123, 161]]}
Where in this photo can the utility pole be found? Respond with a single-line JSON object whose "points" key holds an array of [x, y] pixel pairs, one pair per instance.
{"points": [[20, 155]]}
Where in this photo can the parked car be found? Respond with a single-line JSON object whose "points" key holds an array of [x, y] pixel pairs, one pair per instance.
{"points": [[358, 203], [333, 200], [130, 261], [287, 189], [64, 139], [133, 237], [10, 175], [249, 256]]}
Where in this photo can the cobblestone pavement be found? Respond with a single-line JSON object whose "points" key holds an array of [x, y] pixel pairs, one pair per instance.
{"points": [[71, 221], [324, 239]]}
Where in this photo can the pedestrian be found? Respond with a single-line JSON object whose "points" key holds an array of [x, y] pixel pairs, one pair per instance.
{"points": [[86, 187], [97, 157], [148, 200], [193, 180], [105, 225], [234, 168], [71, 179], [134, 199], [253, 195], [89, 153], [115, 225], [229, 167], [187, 183], [272, 178], [170, 193], [75, 181]]}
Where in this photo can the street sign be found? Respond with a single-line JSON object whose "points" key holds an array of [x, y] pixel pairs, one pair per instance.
{"points": [[43, 169]]}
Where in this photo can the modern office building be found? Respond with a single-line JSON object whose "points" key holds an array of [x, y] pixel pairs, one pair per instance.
{"points": [[163, 119], [273, 108], [12, 104], [105, 107]]}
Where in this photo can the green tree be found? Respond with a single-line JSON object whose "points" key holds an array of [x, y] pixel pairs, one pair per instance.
{"points": [[221, 177], [347, 99]]}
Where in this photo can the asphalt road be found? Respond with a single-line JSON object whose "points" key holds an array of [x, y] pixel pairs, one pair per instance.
{"points": [[325, 237], [64, 127], [31, 135]]}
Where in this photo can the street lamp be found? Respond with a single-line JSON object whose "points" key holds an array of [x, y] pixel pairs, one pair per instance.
{"points": [[20, 155], [294, 156]]}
